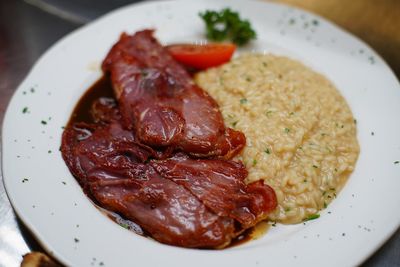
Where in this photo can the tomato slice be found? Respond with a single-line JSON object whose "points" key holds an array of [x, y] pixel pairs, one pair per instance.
{"points": [[202, 56]]}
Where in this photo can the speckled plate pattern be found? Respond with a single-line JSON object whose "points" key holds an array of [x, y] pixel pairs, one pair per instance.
{"points": [[51, 203]]}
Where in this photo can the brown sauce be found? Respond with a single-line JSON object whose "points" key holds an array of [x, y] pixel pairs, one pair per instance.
{"points": [[253, 233], [81, 113]]}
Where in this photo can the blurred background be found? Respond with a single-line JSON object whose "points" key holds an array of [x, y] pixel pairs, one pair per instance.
{"points": [[29, 27]]}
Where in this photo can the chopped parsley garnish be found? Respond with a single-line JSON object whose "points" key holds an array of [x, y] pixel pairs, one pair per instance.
{"points": [[125, 225], [315, 22], [43, 122], [25, 180], [312, 217], [269, 112], [315, 166], [25, 110], [287, 130], [76, 240], [254, 162], [267, 151], [227, 24], [371, 59], [243, 101], [396, 162], [234, 123]]}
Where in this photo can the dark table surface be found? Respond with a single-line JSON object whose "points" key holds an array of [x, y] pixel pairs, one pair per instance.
{"points": [[27, 29]]}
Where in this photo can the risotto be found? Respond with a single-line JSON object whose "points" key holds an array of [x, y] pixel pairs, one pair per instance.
{"points": [[300, 132]]}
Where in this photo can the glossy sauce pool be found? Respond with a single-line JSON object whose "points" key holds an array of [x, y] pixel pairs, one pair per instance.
{"points": [[81, 113]]}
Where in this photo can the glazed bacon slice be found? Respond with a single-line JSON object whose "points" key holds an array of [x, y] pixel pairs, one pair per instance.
{"points": [[201, 203], [109, 164], [219, 184], [159, 101]]}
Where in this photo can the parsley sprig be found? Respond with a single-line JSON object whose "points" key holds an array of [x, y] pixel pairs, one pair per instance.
{"points": [[227, 24]]}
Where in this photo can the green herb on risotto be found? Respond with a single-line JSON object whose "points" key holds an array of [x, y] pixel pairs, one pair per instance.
{"points": [[312, 217], [267, 151], [287, 130], [243, 101], [254, 162], [126, 226], [269, 112]]}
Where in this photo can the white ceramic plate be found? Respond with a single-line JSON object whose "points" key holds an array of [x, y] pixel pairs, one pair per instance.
{"points": [[51, 203]]}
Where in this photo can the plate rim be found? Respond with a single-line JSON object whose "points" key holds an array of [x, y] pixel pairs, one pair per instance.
{"points": [[55, 45]]}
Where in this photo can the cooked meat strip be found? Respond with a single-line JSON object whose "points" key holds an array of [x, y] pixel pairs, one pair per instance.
{"points": [[219, 184], [167, 211], [108, 162], [159, 101]]}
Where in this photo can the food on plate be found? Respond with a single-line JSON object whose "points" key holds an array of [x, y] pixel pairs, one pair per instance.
{"points": [[227, 25], [202, 56], [300, 132], [38, 259], [160, 154]]}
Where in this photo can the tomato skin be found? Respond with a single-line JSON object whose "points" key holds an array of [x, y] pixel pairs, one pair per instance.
{"points": [[202, 56]]}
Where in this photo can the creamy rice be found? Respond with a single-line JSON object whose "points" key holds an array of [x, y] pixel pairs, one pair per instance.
{"points": [[300, 132]]}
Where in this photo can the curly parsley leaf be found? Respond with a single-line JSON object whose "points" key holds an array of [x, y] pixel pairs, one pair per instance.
{"points": [[227, 24]]}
